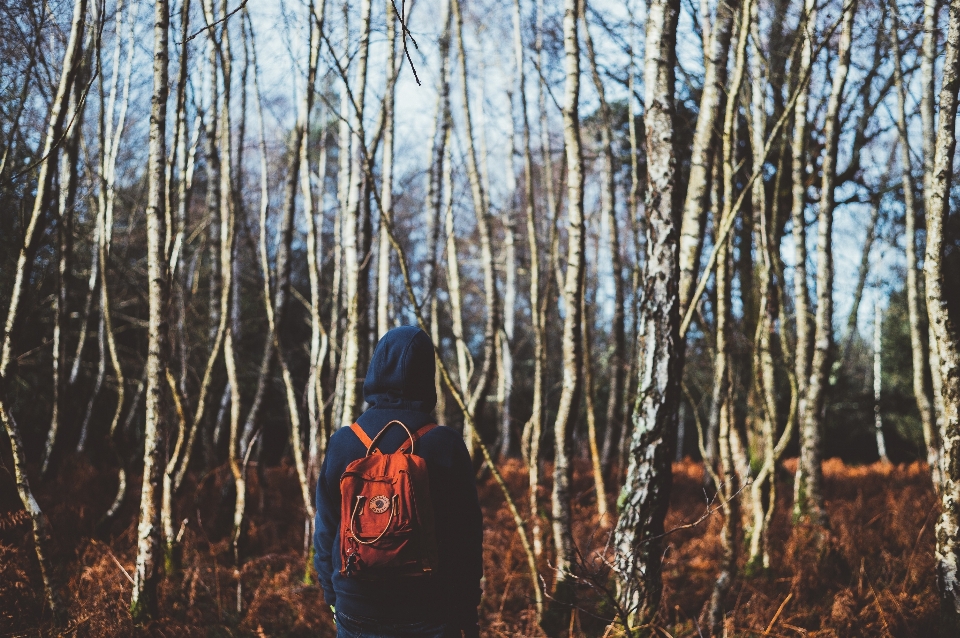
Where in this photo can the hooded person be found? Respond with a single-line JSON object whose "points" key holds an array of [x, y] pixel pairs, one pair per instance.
{"points": [[400, 385]]}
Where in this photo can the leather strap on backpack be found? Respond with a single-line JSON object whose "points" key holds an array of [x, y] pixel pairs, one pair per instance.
{"points": [[416, 437], [407, 446]]}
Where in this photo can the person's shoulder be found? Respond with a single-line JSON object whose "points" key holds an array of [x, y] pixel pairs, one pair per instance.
{"points": [[444, 437], [443, 433], [343, 440]]}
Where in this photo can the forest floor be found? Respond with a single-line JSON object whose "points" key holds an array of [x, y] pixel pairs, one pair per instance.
{"points": [[875, 578]]}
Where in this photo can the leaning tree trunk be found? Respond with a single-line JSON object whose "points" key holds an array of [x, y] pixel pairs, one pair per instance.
{"points": [[944, 327], [31, 237], [645, 495], [143, 603], [808, 499]]}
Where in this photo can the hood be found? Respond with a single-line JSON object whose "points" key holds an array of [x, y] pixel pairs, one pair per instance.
{"points": [[402, 372]]}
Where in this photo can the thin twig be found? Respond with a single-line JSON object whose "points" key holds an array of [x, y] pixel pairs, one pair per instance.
{"points": [[210, 26]]}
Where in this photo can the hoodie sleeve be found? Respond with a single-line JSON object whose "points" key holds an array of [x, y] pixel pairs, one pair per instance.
{"points": [[326, 526], [468, 570]]}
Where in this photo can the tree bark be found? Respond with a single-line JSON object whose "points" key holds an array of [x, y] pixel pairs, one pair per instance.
{"points": [[808, 499], [916, 312], [143, 602], [608, 203], [572, 356], [801, 294], [352, 247], [482, 213], [697, 198], [944, 328], [31, 236], [645, 495], [877, 384], [386, 171]]}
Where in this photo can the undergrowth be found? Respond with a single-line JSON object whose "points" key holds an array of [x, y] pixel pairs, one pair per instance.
{"points": [[874, 576]]}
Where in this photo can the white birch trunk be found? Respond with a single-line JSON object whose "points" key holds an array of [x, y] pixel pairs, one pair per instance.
{"points": [[808, 499], [696, 201], [572, 356], [351, 250], [645, 495], [927, 418], [147, 573], [386, 170], [944, 328], [877, 383]]}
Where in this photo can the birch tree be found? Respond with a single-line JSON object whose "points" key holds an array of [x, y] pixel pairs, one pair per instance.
{"points": [[56, 122], [143, 603], [696, 200], [943, 326], [808, 499], [572, 356], [482, 214], [352, 257], [645, 495], [914, 309]]}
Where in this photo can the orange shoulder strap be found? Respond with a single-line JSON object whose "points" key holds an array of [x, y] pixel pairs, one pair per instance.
{"points": [[416, 437], [366, 440]]}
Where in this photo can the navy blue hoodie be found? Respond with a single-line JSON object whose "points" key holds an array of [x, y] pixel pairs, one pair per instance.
{"points": [[400, 385]]}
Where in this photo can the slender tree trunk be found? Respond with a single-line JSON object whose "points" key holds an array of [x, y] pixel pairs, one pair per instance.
{"points": [[928, 98], [31, 236], [435, 196], [67, 202], [801, 294], [877, 383], [608, 203], [572, 356], [613, 439], [727, 486], [345, 154], [808, 500], [944, 327], [532, 431], [588, 391], [352, 244], [506, 333], [386, 195], [645, 495], [696, 201], [143, 603], [482, 213], [734, 469], [305, 459], [916, 312], [862, 274], [464, 360]]}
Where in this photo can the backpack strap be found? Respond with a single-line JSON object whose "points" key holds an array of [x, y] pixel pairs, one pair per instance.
{"points": [[407, 447], [366, 440]]}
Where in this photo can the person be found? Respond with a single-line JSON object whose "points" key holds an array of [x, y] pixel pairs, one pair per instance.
{"points": [[400, 385]]}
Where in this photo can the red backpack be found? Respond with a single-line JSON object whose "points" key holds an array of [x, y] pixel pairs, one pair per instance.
{"points": [[386, 515]]}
